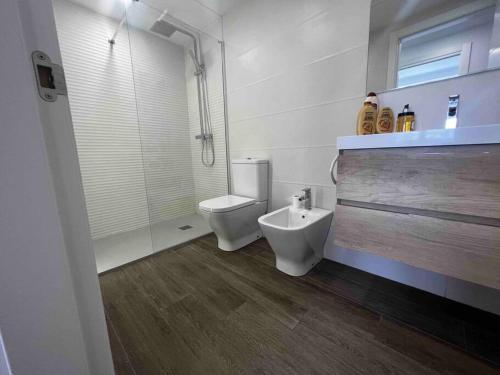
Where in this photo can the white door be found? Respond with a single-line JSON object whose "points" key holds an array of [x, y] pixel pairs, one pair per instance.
{"points": [[51, 314]]}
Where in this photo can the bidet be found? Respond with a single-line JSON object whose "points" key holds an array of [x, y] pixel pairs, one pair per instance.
{"points": [[297, 237]]}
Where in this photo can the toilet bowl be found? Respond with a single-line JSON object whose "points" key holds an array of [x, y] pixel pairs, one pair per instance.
{"points": [[297, 237], [234, 218]]}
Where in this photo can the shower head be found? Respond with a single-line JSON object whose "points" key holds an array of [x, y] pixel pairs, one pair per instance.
{"points": [[164, 28]]}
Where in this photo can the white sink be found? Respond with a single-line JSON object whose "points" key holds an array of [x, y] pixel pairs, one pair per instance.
{"points": [[297, 237]]}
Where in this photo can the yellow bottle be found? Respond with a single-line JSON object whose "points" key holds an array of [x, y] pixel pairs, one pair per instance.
{"points": [[366, 120], [367, 116], [385, 121], [406, 120], [409, 122], [400, 122]]}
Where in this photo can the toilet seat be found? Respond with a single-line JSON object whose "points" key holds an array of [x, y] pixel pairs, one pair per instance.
{"points": [[225, 203]]}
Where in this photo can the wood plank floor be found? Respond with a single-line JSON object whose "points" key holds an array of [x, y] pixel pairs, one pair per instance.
{"points": [[199, 310]]}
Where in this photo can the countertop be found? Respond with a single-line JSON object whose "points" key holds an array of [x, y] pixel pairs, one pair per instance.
{"points": [[484, 134]]}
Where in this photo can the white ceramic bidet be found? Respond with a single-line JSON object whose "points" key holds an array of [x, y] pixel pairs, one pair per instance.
{"points": [[297, 237]]}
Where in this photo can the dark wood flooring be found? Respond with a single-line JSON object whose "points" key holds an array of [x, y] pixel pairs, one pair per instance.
{"points": [[199, 310]]}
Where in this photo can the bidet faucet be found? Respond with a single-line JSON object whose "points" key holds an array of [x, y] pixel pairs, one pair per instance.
{"points": [[306, 196]]}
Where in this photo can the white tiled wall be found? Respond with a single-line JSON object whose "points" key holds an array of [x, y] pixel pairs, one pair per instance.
{"points": [[103, 108], [210, 182], [296, 74], [130, 114], [162, 110]]}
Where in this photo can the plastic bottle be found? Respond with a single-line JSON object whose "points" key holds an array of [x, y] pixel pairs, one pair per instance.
{"points": [[367, 116], [385, 121], [406, 120]]}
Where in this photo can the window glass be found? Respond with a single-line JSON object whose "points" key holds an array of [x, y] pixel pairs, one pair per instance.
{"points": [[429, 71]]}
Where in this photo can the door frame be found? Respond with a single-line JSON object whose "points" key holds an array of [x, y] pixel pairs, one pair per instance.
{"points": [[52, 318]]}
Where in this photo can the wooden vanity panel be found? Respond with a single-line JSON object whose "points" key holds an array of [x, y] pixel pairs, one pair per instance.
{"points": [[456, 179], [466, 251]]}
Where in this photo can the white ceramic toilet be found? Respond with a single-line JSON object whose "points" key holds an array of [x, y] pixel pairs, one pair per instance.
{"points": [[234, 218]]}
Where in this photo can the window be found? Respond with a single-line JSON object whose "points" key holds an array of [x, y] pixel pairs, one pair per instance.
{"points": [[429, 71]]}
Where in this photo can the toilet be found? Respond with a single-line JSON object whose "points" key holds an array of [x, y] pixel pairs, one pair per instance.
{"points": [[234, 218]]}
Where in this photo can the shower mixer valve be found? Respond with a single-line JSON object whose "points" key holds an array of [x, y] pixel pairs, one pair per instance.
{"points": [[204, 136], [200, 70]]}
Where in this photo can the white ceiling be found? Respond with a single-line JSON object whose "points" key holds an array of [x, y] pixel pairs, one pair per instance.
{"points": [[390, 12], [201, 15], [482, 17], [197, 13], [220, 7]]}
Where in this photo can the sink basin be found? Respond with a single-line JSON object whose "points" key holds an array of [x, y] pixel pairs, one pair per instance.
{"points": [[297, 237]]}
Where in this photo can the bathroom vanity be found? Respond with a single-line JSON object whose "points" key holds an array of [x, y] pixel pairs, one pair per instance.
{"points": [[429, 199]]}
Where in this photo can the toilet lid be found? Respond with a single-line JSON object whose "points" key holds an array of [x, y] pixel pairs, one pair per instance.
{"points": [[225, 203]]}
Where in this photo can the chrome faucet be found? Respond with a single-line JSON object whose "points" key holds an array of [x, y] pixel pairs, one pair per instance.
{"points": [[452, 114], [306, 197]]}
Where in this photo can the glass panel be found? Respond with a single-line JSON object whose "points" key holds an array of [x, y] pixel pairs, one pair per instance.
{"points": [[103, 107], [430, 71], [167, 79]]}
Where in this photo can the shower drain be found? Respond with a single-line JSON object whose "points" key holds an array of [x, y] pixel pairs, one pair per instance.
{"points": [[185, 227]]}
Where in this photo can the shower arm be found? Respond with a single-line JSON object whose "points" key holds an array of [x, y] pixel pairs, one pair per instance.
{"points": [[119, 26], [117, 30]]}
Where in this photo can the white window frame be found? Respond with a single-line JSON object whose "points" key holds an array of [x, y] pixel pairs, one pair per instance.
{"points": [[396, 36], [463, 67]]}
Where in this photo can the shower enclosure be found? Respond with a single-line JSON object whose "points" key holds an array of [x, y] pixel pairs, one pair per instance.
{"points": [[146, 92]]}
